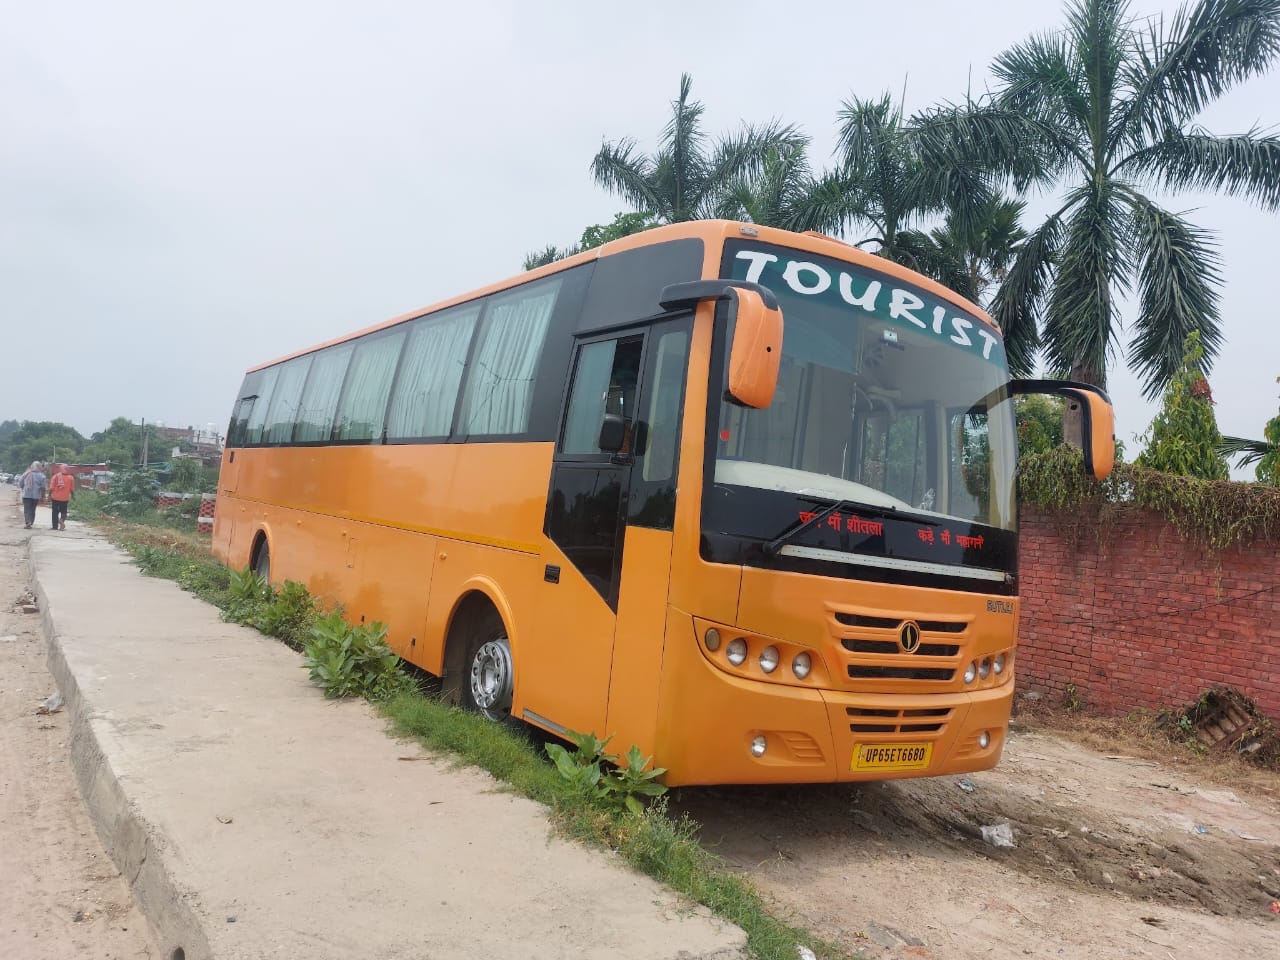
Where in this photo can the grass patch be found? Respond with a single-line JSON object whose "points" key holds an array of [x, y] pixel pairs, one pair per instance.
{"points": [[657, 844]]}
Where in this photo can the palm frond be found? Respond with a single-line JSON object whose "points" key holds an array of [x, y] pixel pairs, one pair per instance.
{"points": [[831, 204], [1249, 451], [684, 141], [1246, 165], [1020, 299], [747, 154], [621, 170], [1209, 47], [1079, 329], [1005, 142], [1177, 277], [1041, 80], [1098, 38]]}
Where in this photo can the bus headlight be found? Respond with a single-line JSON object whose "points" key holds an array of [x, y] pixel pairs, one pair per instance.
{"points": [[736, 652], [712, 639], [971, 672], [984, 740], [801, 665], [758, 746], [998, 665], [984, 668], [769, 659]]}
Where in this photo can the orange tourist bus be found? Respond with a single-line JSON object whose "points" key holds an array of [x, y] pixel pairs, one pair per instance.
{"points": [[611, 495]]}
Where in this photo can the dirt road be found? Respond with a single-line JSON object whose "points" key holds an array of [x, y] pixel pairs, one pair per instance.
{"points": [[1114, 857], [60, 895]]}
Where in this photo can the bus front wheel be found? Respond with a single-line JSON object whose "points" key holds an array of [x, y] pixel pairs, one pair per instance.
{"points": [[490, 670]]}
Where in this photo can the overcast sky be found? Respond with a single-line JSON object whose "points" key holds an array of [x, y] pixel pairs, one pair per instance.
{"points": [[186, 191]]}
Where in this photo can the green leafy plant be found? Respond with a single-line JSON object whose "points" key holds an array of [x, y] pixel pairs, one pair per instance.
{"points": [[132, 492], [289, 614], [1184, 437], [352, 660], [594, 775]]}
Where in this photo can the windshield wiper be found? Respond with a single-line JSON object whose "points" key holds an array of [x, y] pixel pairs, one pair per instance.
{"points": [[777, 543]]}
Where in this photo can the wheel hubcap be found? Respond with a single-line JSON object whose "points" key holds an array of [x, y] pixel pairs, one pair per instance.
{"points": [[491, 679]]}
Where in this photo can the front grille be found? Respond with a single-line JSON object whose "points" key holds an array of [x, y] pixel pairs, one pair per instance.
{"points": [[870, 639], [863, 720], [891, 646], [899, 673]]}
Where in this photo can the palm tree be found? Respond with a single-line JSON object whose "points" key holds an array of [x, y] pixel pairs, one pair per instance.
{"points": [[882, 186], [775, 194], [683, 179], [1265, 453], [1104, 111], [978, 253]]}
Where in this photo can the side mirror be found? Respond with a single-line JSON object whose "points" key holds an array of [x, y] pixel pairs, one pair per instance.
{"points": [[613, 433], [1097, 416], [756, 351]]}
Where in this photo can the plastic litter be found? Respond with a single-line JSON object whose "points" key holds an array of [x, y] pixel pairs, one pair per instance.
{"points": [[1201, 830], [966, 785], [804, 953], [52, 705], [998, 835]]}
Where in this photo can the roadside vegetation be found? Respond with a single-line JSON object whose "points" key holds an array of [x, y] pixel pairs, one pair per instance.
{"points": [[595, 796]]}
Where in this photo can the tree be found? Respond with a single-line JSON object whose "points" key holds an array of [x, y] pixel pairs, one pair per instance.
{"points": [[1184, 436], [973, 255], [1039, 420], [775, 194], [1265, 452], [623, 225], [43, 440], [883, 187], [683, 179], [1104, 111]]}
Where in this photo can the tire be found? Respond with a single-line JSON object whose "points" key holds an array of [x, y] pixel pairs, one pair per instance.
{"points": [[262, 562], [488, 669]]}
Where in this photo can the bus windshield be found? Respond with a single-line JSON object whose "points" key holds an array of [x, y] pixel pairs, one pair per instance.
{"points": [[888, 397]]}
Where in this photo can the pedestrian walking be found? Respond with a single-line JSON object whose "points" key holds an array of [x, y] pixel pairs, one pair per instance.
{"points": [[33, 484], [62, 487]]}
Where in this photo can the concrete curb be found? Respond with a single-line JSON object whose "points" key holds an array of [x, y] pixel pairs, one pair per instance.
{"points": [[135, 846]]}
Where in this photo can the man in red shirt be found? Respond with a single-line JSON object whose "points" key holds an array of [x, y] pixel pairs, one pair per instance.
{"points": [[62, 487]]}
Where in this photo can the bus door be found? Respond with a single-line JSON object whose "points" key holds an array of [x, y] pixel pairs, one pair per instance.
{"points": [[610, 510]]}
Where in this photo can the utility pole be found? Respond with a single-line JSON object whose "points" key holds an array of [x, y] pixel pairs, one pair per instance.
{"points": [[144, 443]]}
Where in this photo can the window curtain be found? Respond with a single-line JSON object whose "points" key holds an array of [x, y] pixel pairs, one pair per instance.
{"points": [[364, 396], [427, 389], [500, 381], [320, 398], [284, 406]]}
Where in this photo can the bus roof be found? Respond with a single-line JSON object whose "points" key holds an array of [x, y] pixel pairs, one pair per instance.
{"points": [[711, 232]]}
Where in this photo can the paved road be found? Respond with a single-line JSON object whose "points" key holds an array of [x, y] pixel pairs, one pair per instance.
{"points": [[254, 819]]}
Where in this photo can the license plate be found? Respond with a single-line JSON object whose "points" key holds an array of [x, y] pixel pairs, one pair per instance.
{"points": [[891, 756]]}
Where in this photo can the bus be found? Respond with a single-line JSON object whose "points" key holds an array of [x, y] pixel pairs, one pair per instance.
{"points": [[740, 497]]}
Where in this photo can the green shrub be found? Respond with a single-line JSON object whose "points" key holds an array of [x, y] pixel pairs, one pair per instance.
{"points": [[593, 775], [132, 492], [353, 661]]}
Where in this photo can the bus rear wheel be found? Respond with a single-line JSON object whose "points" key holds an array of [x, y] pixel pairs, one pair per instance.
{"points": [[489, 681]]}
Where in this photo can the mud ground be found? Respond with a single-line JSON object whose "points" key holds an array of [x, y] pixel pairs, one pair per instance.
{"points": [[1114, 857], [60, 894]]}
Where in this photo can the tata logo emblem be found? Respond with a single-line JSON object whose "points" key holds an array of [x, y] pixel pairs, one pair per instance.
{"points": [[909, 637]]}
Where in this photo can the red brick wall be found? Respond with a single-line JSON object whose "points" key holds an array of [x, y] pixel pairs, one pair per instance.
{"points": [[1139, 617]]}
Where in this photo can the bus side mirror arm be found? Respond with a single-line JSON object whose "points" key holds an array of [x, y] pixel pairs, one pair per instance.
{"points": [[1097, 414], [756, 320]]}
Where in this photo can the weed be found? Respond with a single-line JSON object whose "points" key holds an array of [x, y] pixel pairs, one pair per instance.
{"points": [[594, 777], [353, 661]]}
